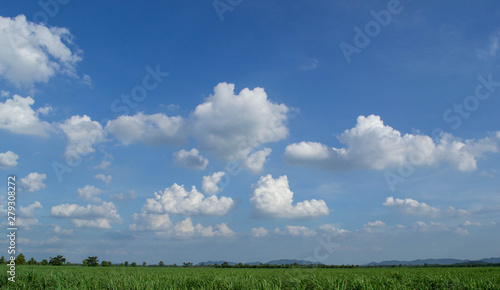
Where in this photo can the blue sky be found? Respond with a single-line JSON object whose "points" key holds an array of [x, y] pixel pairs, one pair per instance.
{"points": [[341, 132]]}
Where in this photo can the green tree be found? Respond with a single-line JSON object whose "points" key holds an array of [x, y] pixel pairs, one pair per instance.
{"points": [[144, 264], [32, 261], [57, 261], [126, 263], [20, 260], [92, 261], [2, 260], [161, 264], [84, 263], [45, 262], [121, 265], [134, 264], [104, 263]]}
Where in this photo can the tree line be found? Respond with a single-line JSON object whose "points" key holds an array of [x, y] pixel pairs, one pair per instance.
{"points": [[93, 261]]}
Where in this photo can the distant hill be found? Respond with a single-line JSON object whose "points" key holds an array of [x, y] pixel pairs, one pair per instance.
{"points": [[273, 262], [434, 262]]}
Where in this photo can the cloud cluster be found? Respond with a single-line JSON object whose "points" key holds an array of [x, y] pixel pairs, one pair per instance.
{"points": [[104, 178], [8, 159], [413, 207], [82, 134], [34, 53], [89, 192], [33, 182], [29, 211], [186, 229], [176, 200], [18, 116], [156, 129], [93, 216], [231, 125], [373, 145], [326, 230], [273, 198], [190, 159], [209, 183]]}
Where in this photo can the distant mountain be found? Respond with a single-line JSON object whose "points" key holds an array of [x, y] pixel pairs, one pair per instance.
{"points": [[274, 262], [216, 262], [434, 262], [290, 262]]}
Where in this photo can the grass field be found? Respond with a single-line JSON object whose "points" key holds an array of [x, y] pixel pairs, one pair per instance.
{"points": [[65, 277]]}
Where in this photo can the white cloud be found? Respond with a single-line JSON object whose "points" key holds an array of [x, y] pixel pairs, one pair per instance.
{"points": [[34, 53], [190, 159], [33, 182], [82, 134], [373, 145], [431, 227], [186, 229], [231, 125], [104, 178], [103, 165], [332, 229], [413, 207], [17, 116], [122, 196], [469, 223], [29, 211], [273, 198], [374, 226], [296, 231], [8, 159], [4, 94], [176, 200], [96, 216], [255, 161], [89, 192], [209, 183], [149, 221], [259, 232], [58, 229], [492, 49], [157, 129]]}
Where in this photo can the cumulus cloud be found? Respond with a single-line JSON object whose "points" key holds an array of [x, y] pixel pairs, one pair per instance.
{"points": [[82, 134], [58, 229], [176, 200], [332, 230], [89, 192], [259, 232], [103, 165], [29, 211], [186, 229], [413, 207], [18, 116], [296, 231], [33, 182], [149, 221], [157, 129], [255, 161], [373, 145], [190, 159], [374, 226], [8, 159], [94, 216], [273, 198], [231, 125], [104, 178], [209, 183], [34, 53]]}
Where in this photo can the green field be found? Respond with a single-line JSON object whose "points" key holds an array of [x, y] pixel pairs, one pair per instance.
{"points": [[72, 277]]}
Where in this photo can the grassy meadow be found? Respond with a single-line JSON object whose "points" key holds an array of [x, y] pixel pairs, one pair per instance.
{"points": [[75, 277]]}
